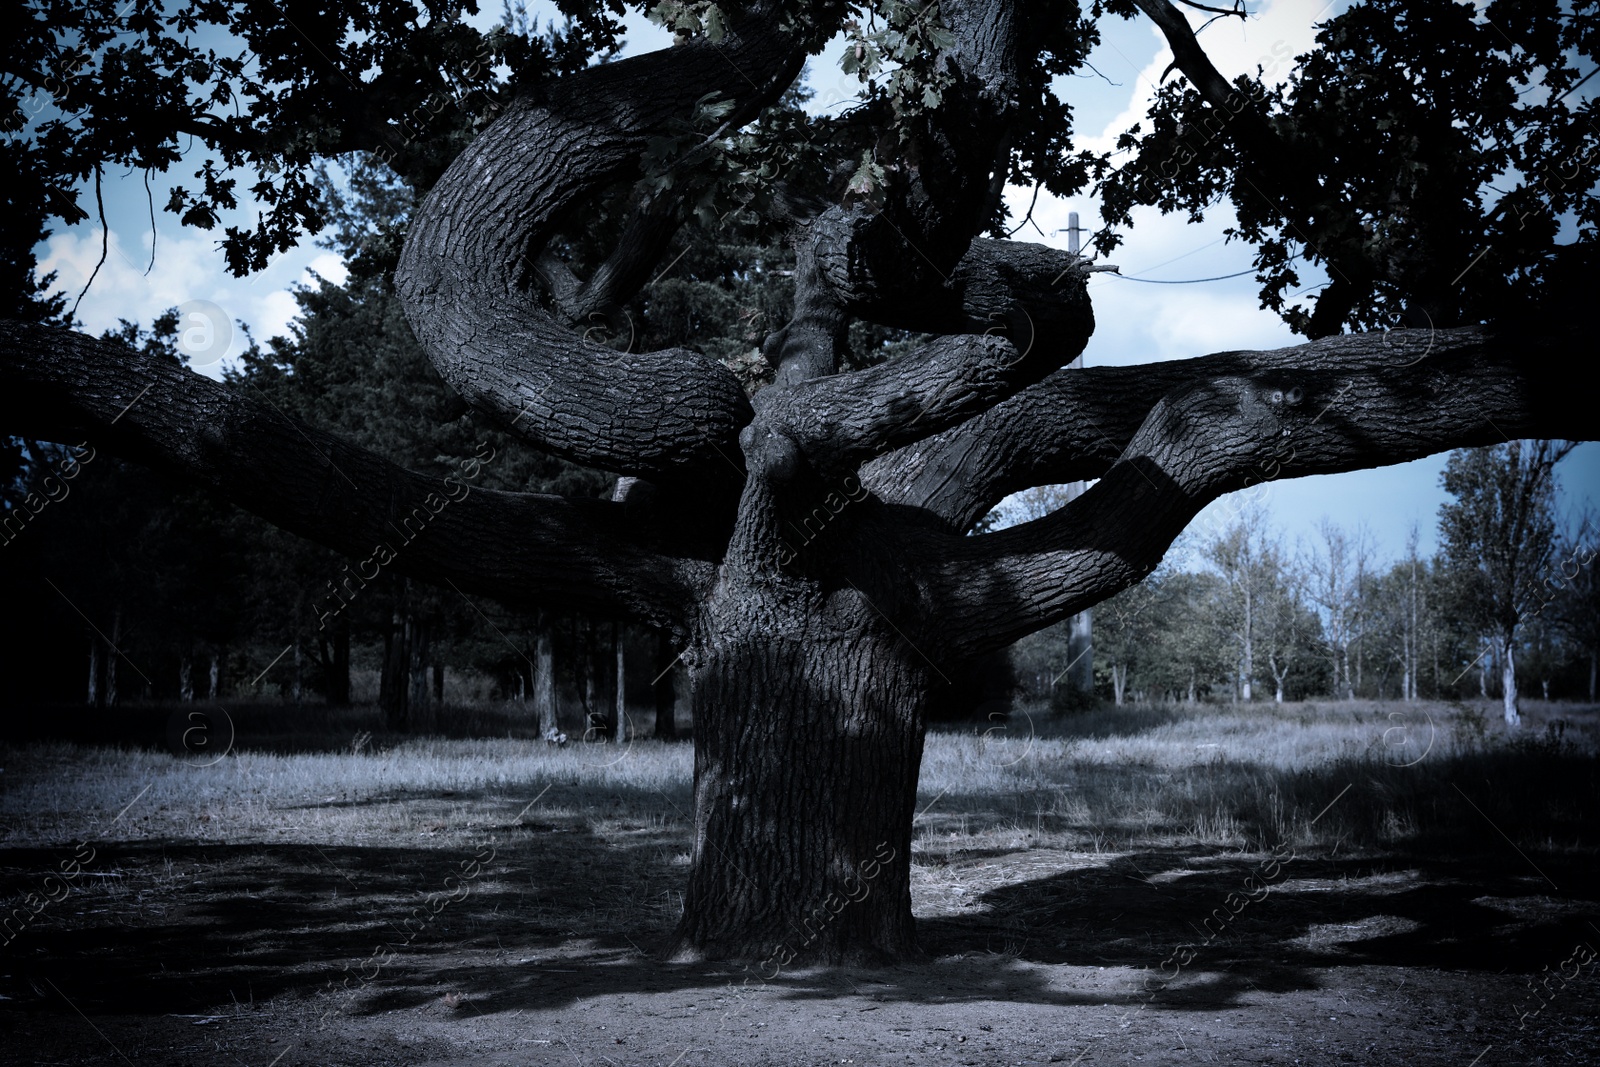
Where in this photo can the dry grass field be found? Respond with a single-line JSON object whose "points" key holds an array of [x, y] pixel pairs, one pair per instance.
{"points": [[1306, 883]]}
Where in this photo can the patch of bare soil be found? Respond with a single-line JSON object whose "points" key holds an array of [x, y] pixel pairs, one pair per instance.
{"points": [[279, 955]]}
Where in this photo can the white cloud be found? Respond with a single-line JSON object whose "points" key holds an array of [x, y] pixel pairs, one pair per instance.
{"points": [[1270, 38], [188, 267], [329, 266]]}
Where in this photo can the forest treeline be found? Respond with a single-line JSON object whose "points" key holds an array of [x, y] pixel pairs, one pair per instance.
{"points": [[1236, 613]]}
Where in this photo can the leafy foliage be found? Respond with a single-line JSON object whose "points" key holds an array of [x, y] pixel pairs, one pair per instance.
{"points": [[1499, 532], [268, 89], [1431, 187]]}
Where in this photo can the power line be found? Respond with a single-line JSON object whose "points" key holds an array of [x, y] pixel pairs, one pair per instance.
{"points": [[1183, 281]]}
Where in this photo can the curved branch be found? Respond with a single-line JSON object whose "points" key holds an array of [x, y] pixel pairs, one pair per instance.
{"points": [[1033, 292], [1074, 424], [842, 419], [1187, 55], [461, 277], [519, 548], [1337, 405], [892, 256], [1069, 427]]}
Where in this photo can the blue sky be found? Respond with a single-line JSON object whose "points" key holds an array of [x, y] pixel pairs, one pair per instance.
{"points": [[1137, 322]]}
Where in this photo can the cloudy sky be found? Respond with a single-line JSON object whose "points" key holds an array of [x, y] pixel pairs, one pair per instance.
{"points": [[1137, 321]]}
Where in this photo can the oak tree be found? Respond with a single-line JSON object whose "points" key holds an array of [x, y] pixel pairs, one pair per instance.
{"points": [[802, 531]]}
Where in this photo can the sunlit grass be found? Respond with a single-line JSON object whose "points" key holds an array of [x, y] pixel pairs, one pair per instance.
{"points": [[1250, 776], [1238, 777]]}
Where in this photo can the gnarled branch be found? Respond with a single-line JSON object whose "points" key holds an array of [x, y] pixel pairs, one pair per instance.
{"points": [[1336, 405], [664, 415], [520, 548]]}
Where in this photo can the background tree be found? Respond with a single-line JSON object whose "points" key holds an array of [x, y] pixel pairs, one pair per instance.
{"points": [[1290, 633], [1191, 653], [1575, 610], [1063, 653], [1339, 572], [1497, 537], [1249, 566], [813, 665], [1405, 611], [1128, 625]]}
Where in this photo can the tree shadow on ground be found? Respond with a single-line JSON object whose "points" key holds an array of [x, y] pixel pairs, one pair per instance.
{"points": [[1178, 913]]}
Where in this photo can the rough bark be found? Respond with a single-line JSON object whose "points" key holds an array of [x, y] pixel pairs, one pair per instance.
{"points": [[808, 718], [470, 253], [1077, 422]]}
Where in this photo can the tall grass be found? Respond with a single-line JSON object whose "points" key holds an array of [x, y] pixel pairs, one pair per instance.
{"points": [[57, 791], [1332, 775]]}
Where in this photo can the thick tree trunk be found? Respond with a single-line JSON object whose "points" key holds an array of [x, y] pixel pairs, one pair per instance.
{"points": [[808, 741], [1508, 667], [186, 678], [810, 714]]}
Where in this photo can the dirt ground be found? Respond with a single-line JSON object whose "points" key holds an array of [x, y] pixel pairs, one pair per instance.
{"points": [[1343, 961], [307, 949]]}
